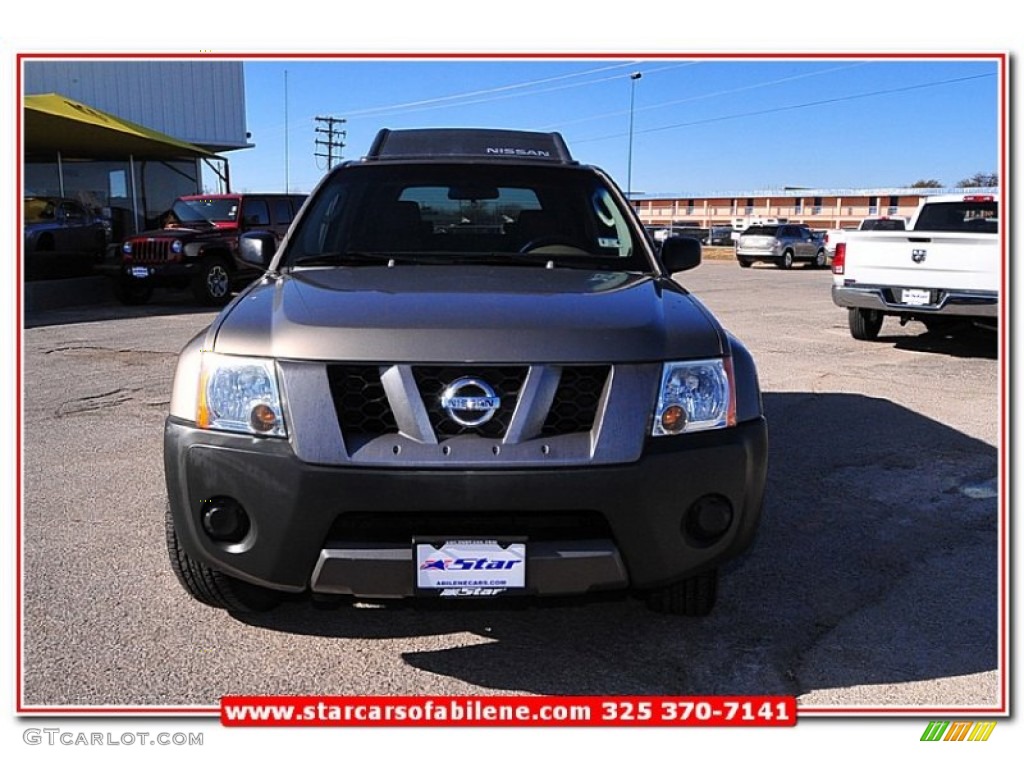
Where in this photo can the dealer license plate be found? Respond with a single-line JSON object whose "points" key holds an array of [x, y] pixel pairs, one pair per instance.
{"points": [[916, 297], [469, 567], [140, 272]]}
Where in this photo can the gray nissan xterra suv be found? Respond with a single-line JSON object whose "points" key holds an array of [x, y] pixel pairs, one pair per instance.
{"points": [[464, 374]]}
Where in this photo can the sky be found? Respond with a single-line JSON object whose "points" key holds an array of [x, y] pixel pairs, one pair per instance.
{"points": [[701, 126]]}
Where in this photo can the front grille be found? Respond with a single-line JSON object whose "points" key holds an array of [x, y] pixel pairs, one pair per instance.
{"points": [[362, 407], [506, 381], [575, 405], [364, 411], [151, 251], [537, 525]]}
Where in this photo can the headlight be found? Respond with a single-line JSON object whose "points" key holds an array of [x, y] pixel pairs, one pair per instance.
{"points": [[694, 396], [240, 394], [176, 246], [126, 247]]}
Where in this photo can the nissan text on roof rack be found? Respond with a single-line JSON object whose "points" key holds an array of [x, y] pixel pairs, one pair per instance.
{"points": [[464, 374]]}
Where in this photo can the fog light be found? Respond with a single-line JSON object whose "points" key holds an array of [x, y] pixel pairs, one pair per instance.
{"points": [[225, 520], [708, 519]]}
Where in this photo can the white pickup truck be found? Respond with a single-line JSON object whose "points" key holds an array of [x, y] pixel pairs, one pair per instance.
{"points": [[871, 224], [946, 266]]}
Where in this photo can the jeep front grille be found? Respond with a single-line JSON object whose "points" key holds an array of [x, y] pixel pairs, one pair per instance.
{"points": [[151, 251]]}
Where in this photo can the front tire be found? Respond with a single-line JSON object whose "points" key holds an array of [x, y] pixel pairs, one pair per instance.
{"points": [[865, 323], [745, 264], [819, 260], [212, 286], [694, 596], [210, 586]]}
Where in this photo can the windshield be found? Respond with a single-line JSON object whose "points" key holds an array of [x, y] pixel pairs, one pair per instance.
{"points": [[964, 216], [884, 225], [462, 213], [206, 210], [762, 229]]}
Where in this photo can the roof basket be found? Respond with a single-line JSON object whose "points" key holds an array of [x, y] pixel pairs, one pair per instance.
{"points": [[422, 143]]}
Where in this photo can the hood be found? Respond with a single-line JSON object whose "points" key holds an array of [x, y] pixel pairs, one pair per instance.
{"points": [[178, 233], [443, 314]]}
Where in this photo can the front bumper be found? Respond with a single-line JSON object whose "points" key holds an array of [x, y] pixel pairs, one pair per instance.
{"points": [[159, 273], [299, 538], [755, 254], [943, 301]]}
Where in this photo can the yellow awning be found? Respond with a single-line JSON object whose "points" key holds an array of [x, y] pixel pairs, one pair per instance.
{"points": [[56, 123]]}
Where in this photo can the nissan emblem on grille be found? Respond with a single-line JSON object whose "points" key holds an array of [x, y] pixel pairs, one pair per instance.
{"points": [[918, 255], [470, 402]]}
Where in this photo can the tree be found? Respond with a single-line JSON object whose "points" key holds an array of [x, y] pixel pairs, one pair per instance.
{"points": [[980, 180], [926, 184]]}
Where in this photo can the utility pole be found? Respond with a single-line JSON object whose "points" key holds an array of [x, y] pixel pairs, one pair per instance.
{"points": [[629, 164], [286, 179], [335, 141]]}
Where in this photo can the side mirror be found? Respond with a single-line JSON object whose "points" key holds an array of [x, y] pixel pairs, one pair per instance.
{"points": [[679, 254], [257, 248]]}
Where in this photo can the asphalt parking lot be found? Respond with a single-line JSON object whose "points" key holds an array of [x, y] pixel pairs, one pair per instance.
{"points": [[873, 581]]}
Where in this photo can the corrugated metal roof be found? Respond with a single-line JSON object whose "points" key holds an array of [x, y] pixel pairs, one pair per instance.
{"points": [[199, 102]]}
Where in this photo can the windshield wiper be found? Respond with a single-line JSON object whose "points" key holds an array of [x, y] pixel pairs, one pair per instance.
{"points": [[340, 258]]}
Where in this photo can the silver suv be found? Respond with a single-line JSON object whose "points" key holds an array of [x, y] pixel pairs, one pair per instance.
{"points": [[781, 244]]}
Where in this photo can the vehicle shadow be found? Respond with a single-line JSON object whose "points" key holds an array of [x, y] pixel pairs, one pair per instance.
{"points": [[876, 563], [959, 341], [164, 302]]}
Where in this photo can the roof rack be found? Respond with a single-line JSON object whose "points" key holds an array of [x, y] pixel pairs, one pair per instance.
{"points": [[423, 143]]}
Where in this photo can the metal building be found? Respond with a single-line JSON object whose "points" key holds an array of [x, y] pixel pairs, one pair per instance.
{"points": [[125, 138], [201, 102]]}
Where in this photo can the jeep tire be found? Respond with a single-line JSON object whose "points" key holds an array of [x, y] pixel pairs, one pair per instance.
{"points": [[212, 285]]}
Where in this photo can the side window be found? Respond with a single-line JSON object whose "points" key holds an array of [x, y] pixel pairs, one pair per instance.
{"points": [[282, 211], [255, 213]]}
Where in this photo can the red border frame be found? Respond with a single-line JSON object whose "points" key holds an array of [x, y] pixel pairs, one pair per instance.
{"points": [[1003, 347]]}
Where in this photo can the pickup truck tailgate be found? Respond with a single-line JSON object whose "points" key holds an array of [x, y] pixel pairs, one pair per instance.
{"points": [[924, 260]]}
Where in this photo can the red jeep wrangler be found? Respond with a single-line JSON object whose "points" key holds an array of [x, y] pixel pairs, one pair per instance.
{"points": [[197, 245]]}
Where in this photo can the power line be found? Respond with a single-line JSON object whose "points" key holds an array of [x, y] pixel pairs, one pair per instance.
{"points": [[442, 102], [699, 97], [539, 91], [411, 105], [790, 107]]}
